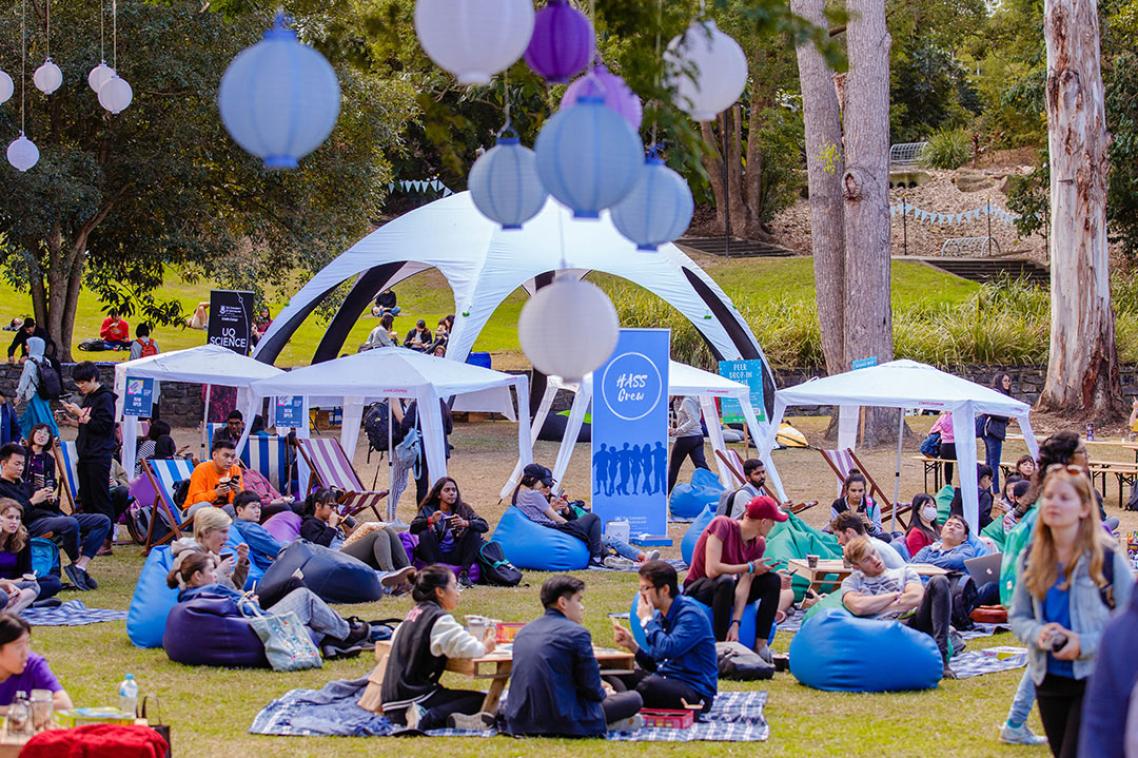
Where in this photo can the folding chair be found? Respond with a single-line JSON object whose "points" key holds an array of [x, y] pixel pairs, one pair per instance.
{"points": [[731, 460], [842, 462], [332, 468], [66, 461], [164, 475], [265, 453]]}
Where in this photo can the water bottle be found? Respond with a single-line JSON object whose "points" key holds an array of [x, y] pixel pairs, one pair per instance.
{"points": [[19, 715], [128, 695], [1091, 432]]}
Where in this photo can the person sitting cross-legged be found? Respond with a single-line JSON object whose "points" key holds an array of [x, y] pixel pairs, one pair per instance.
{"points": [[449, 530], [215, 482], [850, 525], [678, 664], [873, 591], [263, 546]]}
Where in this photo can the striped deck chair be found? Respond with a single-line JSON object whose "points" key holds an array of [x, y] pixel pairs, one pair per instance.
{"points": [[265, 453], [842, 462], [66, 461], [164, 474], [734, 463], [332, 468]]}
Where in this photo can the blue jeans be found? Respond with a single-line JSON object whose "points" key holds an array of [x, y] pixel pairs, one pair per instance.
{"points": [[622, 548], [78, 534], [313, 612], [993, 449], [1023, 700]]}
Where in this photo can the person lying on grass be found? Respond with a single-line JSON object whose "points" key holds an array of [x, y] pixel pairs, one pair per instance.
{"points": [[873, 591], [194, 575], [21, 670]]}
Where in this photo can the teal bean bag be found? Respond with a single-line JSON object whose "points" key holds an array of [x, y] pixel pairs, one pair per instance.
{"points": [[691, 536], [152, 601], [532, 546], [689, 498], [837, 651]]}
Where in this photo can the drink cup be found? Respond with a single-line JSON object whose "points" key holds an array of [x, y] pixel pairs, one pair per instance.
{"points": [[812, 561]]}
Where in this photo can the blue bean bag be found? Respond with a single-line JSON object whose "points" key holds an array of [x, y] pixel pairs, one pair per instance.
{"points": [[746, 626], [532, 546], [210, 631], [837, 651], [691, 536], [689, 498], [152, 601], [336, 577]]}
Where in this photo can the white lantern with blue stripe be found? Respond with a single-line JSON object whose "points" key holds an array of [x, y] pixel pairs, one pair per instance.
{"points": [[504, 184], [279, 99], [659, 208], [588, 157]]}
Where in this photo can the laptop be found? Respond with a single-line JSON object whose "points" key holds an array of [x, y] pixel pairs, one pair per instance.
{"points": [[985, 568]]}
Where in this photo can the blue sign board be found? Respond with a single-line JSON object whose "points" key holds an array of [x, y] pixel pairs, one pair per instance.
{"points": [[139, 400], [630, 432], [288, 412], [750, 373], [869, 362]]}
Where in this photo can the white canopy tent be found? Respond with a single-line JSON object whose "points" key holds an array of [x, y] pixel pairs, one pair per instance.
{"points": [[905, 385], [207, 364], [356, 380], [683, 380]]}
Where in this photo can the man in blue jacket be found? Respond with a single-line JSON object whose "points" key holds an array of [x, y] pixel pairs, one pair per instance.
{"points": [[263, 546], [678, 663], [555, 683]]}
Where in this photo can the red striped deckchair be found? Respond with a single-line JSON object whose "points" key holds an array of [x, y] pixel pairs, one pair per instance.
{"points": [[332, 468]]}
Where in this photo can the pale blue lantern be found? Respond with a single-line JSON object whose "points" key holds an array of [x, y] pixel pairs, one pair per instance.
{"points": [[504, 184], [657, 210], [588, 157], [279, 99]]}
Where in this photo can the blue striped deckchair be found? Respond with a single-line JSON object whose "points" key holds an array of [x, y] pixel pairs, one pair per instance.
{"points": [[66, 461], [164, 474]]}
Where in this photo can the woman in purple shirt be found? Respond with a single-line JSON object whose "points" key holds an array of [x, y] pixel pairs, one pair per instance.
{"points": [[21, 670]]}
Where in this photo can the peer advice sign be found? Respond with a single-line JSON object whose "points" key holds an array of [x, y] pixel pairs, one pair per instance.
{"points": [[231, 319], [630, 432]]}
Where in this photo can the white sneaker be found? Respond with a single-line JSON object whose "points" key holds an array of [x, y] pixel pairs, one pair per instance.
{"points": [[618, 563], [474, 722], [1020, 735], [630, 724], [652, 555], [414, 713]]}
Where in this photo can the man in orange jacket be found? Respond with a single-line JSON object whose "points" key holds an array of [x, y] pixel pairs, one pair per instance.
{"points": [[216, 481]]}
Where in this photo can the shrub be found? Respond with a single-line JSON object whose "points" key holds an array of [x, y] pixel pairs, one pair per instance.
{"points": [[947, 149]]}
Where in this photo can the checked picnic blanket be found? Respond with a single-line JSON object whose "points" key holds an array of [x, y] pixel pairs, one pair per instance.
{"points": [[675, 563], [71, 613], [970, 664]]}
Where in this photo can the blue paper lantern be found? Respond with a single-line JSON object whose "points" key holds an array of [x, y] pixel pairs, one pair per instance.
{"points": [[279, 99], [588, 157], [504, 184], [657, 210]]}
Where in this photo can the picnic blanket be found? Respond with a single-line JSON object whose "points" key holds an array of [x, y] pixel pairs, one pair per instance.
{"points": [[795, 617], [970, 664], [71, 613], [675, 563], [332, 711]]}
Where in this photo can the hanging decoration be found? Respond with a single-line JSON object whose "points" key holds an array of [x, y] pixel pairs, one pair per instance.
{"points": [[474, 39], [568, 328], [707, 69], [504, 184], [588, 157], [600, 82], [22, 152], [115, 94], [279, 99], [101, 73], [562, 43], [659, 208], [7, 87], [48, 77]]}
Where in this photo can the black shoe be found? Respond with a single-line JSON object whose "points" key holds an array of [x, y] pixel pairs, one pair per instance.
{"points": [[358, 631], [597, 560], [331, 650], [464, 580], [76, 575], [89, 580]]}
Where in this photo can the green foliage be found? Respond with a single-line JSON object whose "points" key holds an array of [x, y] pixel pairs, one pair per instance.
{"points": [[930, 90], [1122, 120], [1030, 197], [947, 149]]}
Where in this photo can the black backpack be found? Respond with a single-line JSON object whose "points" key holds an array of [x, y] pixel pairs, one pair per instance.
{"points": [[496, 568], [178, 492], [50, 384], [375, 426]]}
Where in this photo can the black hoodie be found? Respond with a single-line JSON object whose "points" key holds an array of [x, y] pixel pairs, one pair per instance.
{"points": [[97, 437]]}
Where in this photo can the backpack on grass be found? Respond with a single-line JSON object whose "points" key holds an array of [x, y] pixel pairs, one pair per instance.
{"points": [[496, 568]]}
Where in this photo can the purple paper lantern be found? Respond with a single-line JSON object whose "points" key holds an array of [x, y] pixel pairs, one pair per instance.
{"points": [[562, 42], [600, 82]]}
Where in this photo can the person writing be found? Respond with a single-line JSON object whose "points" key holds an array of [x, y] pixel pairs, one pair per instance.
{"points": [[678, 663], [21, 670], [449, 530], [215, 482]]}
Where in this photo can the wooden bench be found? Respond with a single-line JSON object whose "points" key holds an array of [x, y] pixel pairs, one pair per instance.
{"points": [[1123, 471]]}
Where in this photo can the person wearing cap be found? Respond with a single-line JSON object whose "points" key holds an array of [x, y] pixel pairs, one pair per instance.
{"points": [[532, 498], [727, 571]]}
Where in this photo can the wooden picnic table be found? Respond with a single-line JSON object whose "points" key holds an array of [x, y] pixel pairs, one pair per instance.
{"points": [[495, 666], [834, 570], [1124, 444]]}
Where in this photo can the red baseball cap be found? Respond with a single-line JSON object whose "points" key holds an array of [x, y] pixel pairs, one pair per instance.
{"points": [[765, 506]]}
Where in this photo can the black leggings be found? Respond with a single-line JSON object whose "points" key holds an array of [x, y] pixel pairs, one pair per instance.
{"points": [[685, 447], [660, 692], [948, 453], [464, 552], [621, 705], [586, 528], [442, 703], [719, 593], [1061, 710]]}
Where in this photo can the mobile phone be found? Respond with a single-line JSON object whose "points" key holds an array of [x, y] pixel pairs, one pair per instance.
{"points": [[1058, 642]]}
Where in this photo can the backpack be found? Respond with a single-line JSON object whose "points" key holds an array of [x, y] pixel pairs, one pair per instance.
{"points": [[930, 446], [50, 385], [496, 568], [179, 492], [726, 500], [148, 348], [408, 452], [45, 556], [1105, 592], [375, 426]]}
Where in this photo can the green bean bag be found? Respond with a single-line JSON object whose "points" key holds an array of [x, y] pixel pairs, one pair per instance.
{"points": [[995, 532], [794, 538], [1014, 544], [833, 600], [944, 503]]}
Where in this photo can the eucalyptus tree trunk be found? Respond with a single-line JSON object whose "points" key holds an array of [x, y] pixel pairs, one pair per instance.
{"points": [[1082, 370]]}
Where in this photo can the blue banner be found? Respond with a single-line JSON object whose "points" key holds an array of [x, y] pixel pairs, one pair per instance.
{"points": [[750, 373], [630, 432], [139, 400], [288, 412], [861, 363]]}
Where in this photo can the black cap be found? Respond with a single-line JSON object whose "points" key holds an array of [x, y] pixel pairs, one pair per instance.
{"points": [[539, 472]]}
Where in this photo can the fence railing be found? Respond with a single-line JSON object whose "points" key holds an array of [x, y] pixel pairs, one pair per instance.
{"points": [[905, 154]]}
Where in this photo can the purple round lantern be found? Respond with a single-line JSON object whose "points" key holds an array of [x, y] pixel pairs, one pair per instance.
{"points": [[600, 82], [562, 42]]}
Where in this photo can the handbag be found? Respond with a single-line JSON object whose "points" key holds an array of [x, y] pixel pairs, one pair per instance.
{"points": [[287, 644], [162, 728], [930, 447]]}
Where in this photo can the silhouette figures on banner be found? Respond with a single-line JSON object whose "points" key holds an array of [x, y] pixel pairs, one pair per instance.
{"points": [[630, 470]]}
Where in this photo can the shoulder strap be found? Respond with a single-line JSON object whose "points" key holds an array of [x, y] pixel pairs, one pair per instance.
{"points": [[1106, 592]]}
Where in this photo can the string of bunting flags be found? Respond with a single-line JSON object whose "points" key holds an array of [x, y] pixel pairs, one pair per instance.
{"points": [[420, 185], [963, 217]]}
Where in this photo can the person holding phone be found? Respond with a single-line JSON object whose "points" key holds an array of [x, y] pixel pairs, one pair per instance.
{"points": [[211, 533], [215, 482], [375, 543]]}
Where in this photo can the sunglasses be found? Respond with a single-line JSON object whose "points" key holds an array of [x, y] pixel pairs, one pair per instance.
{"points": [[1070, 469]]}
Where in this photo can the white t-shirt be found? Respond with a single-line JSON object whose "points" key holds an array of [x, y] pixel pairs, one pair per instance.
{"points": [[888, 581]]}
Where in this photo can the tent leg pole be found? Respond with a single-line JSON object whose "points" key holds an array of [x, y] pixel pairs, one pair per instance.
{"points": [[390, 469], [897, 475], [205, 419]]}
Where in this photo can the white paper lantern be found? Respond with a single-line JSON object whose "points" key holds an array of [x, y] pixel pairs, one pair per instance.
{"points": [[115, 94], [48, 77], [659, 208], [504, 184], [99, 76], [568, 328], [23, 153], [6, 87], [717, 66], [474, 39]]}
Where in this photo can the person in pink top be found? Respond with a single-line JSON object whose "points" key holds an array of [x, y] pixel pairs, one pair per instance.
{"points": [[943, 425]]}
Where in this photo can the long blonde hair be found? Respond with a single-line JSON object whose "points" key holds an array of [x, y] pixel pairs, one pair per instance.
{"points": [[1043, 566], [16, 542]]}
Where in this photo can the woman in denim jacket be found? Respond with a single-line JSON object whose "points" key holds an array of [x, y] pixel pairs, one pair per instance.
{"points": [[1065, 596]]}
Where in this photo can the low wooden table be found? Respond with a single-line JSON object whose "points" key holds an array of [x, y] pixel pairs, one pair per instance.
{"points": [[495, 666], [833, 570]]}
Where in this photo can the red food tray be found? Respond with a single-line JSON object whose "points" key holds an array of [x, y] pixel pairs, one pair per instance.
{"points": [[668, 718]]}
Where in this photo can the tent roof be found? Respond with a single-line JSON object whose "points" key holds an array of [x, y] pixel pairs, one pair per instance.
{"points": [[682, 380], [206, 364], [902, 384]]}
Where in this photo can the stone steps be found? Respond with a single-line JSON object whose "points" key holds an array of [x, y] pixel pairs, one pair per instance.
{"points": [[989, 269], [738, 248]]}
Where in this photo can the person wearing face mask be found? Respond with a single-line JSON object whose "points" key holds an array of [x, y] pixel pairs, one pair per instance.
{"points": [[924, 529]]}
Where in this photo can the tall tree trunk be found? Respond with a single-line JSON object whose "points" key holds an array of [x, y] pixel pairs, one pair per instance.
{"points": [[824, 169], [865, 185], [713, 164], [737, 202], [1082, 370]]}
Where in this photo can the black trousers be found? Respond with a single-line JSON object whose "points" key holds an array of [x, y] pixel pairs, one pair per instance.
{"points": [[660, 692], [464, 552], [621, 705], [441, 704], [95, 486], [719, 593], [1061, 710], [948, 453], [934, 614], [586, 528], [685, 447], [120, 500]]}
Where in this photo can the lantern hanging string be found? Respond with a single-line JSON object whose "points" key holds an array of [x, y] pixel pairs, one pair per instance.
{"points": [[102, 44], [509, 125], [659, 24], [47, 16], [23, 58], [115, 34]]}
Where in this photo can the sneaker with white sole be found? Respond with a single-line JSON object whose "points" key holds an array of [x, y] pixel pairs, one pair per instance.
{"points": [[618, 563], [397, 579], [474, 722], [633, 723], [1020, 735], [652, 555]]}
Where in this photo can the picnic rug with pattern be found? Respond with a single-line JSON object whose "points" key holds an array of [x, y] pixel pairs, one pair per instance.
{"points": [[977, 663], [675, 563], [71, 613], [795, 616], [332, 711]]}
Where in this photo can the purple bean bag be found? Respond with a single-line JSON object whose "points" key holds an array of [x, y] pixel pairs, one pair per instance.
{"points": [[210, 631], [284, 526], [411, 541]]}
